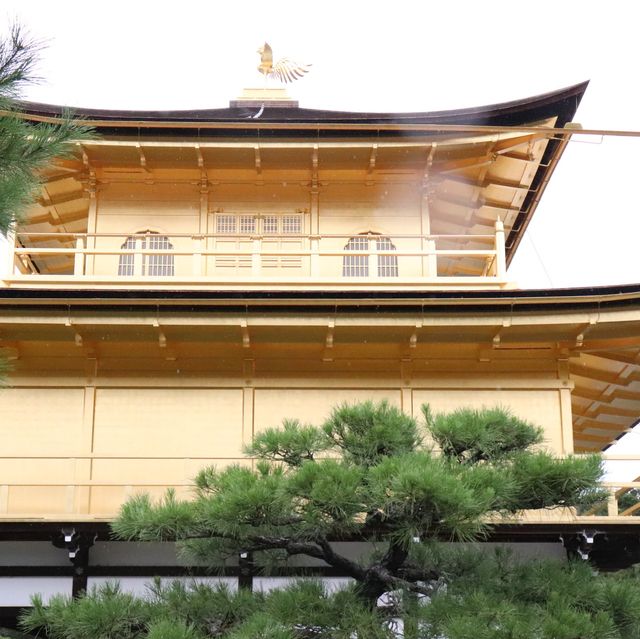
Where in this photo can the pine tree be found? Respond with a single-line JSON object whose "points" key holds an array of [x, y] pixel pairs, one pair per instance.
{"points": [[368, 473], [25, 147]]}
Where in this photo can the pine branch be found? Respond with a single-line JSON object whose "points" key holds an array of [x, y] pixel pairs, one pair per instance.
{"points": [[396, 555]]}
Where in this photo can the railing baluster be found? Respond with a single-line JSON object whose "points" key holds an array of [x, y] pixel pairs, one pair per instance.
{"points": [[372, 256], [137, 256], [432, 259], [612, 504], [78, 263]]}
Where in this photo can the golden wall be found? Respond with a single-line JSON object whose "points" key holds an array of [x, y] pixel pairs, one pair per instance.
{"points": [[179, 211], [76, 447]]}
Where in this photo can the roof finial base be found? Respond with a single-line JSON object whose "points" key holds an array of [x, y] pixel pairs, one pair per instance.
{"points": [[274, 97]]}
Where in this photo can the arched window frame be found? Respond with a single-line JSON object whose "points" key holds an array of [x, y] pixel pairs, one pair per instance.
{"points": [[359, 265], [158, 264]]}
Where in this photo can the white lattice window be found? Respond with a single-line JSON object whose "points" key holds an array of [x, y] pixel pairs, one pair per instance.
{"points": [[358, 265], [226, 223], [292, 224], [160, 264], [247, 224], [270, 224], [387, 264], [125, 264]]}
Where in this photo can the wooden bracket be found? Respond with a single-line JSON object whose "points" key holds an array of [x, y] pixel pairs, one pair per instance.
{"points": [[583, 330], [413, 339], [246, 339], [168, 353], [143, 157], [497, 338], [85, 156], [327, 355], [372, 159], [200, 157], [258, 159]]}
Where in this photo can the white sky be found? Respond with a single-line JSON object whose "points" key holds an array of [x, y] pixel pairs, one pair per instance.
{"points": [[420, 56]]}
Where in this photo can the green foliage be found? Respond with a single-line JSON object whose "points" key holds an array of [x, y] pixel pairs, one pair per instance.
{"points": [[144, 520], [201, 608], [629, 499], [484, 594], [291, 444], [262, 626], [18, 56], [499, 597], [490, 434], [327, 496], [544, 481], [104, 613], [171, 629], [418, 492], [25, 147], [365, 433]]}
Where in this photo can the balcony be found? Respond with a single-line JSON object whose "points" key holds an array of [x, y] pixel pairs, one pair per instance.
{"points": [[245, 261]]}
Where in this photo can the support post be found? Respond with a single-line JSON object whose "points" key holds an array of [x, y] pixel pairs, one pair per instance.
{"points": [[314, 216], [78, 263], [197, 256], [501, 262], [425, 230], [138, 257], [612, 504], [432, 259], [204, 215], [77, 545], [256, 256], [372, 257], [246, 571], [92, 224], [315, 256], [11, 252]]}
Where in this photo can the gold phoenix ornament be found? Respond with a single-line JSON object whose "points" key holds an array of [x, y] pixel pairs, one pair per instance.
{"points": [[284, 70]]}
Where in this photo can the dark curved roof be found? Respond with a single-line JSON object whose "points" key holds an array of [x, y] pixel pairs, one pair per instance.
{"points": [[561, 104]]}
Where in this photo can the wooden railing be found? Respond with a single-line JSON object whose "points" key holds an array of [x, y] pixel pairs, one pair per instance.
{"points": [[472, 259], [81, 487]]}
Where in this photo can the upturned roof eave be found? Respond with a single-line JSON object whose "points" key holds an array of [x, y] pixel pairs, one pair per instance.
{"points": [[561, 104]]}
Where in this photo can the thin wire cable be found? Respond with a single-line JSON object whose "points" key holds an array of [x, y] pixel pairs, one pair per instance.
{"points": [[529, 234]]}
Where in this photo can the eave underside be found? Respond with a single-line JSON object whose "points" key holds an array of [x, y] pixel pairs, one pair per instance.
{"points": [[590, 343]]}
